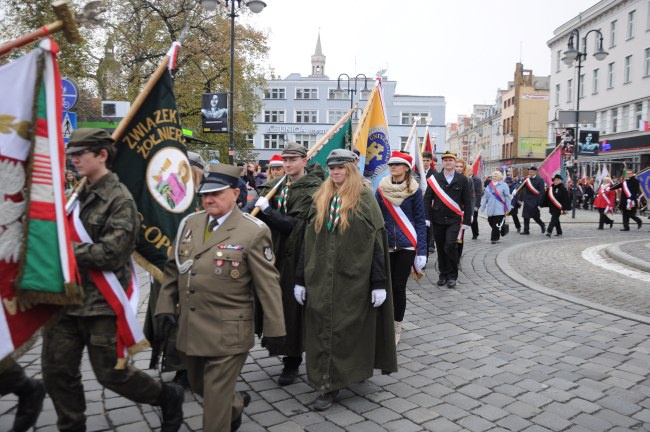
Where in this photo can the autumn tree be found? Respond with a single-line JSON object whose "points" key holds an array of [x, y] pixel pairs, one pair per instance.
{"points": [[116, 60]]}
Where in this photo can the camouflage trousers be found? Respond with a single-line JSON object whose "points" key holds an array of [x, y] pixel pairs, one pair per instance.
{"points": [[12, 376], [63, 345]]}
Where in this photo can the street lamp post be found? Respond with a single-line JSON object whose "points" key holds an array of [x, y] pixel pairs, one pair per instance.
{"points": [[352, 91], [256, 6], [570, 55]]}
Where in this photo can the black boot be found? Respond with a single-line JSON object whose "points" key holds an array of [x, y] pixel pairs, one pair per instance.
{"points": [[30, 403], [290, 370], [171, 404]]}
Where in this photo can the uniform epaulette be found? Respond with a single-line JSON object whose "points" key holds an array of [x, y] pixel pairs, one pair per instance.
{"points": [[254, 219]]}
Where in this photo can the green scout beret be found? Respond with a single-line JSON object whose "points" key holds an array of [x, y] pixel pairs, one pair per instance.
{"points": [[87, 138]]}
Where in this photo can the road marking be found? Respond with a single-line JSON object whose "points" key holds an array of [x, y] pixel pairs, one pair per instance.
{"points": [[593, 256]]}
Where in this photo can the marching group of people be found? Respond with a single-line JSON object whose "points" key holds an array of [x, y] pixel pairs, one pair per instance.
{"points": [[321, 271]]}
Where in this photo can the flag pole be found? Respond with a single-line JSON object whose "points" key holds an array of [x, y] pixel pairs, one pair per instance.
{"points": [[408, 140], [364, 115], [65, 23], [119, 131], [547, 157], [310, 153]]}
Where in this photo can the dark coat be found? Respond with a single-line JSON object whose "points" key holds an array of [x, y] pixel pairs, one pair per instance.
{"points": [[634, 188], [561, 194], [477, 191], [345, 336], [529, 199], [459, 191], [288, 232]]}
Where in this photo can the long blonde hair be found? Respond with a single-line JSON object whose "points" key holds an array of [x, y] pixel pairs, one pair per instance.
{"points": [[350, 193]]}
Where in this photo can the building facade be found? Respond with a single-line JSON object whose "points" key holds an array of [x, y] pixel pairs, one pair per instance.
{"points": [[616, 89], [303, 109], [510, 134]]}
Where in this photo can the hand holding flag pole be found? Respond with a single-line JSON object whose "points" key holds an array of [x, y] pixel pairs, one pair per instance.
{"points": [[311, 153]]}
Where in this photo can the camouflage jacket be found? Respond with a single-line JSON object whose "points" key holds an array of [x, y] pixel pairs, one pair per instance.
{"points": [[110, 217]]}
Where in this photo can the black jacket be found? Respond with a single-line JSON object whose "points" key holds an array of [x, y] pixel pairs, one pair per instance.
{"points": [[458, 191], [635, 191], [561, 194]]}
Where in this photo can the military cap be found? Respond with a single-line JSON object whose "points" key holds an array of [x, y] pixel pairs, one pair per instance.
{"points": [[196, 159], [448, 154], [87, 138], [220, 177], [557, 176], [532, 168], [340, 157], [292, 149], [508, 180]]}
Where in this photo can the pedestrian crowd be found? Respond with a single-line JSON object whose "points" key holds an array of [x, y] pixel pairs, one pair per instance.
{"points": [[315, 263]]}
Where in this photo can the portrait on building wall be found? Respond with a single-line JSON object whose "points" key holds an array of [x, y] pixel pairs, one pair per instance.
{"points": [[588, 143], [214, 112]]}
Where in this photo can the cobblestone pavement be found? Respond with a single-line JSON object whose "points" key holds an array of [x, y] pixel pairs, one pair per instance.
{"points": [[495, 354]]}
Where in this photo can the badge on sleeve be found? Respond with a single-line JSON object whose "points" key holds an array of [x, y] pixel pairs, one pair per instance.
{"points": [[268, 253]]}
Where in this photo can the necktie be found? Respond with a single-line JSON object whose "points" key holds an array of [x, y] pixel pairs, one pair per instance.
{"points": [[212, 225], [335, 213], [282, 201]]}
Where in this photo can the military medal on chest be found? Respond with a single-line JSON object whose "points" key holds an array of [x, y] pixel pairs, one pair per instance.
{"points": [[234, 273], [218, 264]]}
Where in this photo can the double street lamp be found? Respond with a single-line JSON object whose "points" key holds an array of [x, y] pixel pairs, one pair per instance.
{"points": [[256, 6], [352, 91], [572, 54]]}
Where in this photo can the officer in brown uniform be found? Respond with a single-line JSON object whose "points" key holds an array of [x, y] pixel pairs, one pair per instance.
{"points": [[222, 257], [109, 215]]}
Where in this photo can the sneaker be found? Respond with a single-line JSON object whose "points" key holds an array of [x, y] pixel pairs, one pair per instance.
{"points": [[171, 404], [451, 283], [325, 400], [442, 281], [30, 404], [235, 424]]}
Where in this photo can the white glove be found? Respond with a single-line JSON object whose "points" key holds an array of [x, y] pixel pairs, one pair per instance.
{"points": [[467, 227], [299, 291], [378, 297], [262, 203], [419, 263], [427, 222]]}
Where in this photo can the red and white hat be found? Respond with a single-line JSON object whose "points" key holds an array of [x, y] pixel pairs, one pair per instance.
{"points": [[401, 158], [276, 161]]}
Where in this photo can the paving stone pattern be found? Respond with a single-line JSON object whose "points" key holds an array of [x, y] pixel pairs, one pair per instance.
{"points": [[491, 355]]}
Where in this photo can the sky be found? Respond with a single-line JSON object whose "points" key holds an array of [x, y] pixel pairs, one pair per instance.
{"points": [[464, 50]]}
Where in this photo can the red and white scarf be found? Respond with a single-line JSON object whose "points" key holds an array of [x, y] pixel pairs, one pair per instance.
{"points": [[402, 222], [450, 203], [554, 200], [530, 187], [630, 202], [446, 199], [130, 338]]}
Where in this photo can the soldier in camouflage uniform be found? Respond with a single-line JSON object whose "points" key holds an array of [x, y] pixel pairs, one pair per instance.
{"points": [[109, 215]]}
